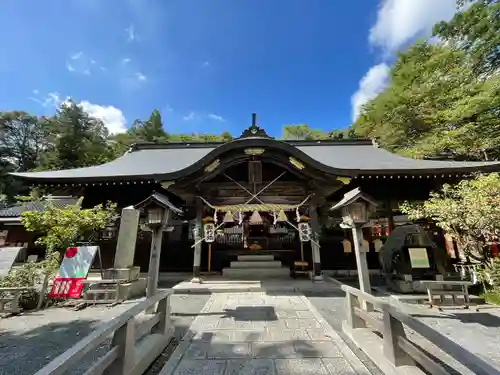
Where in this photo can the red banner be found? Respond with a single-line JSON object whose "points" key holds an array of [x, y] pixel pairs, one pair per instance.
{"points": [[66, 288]]}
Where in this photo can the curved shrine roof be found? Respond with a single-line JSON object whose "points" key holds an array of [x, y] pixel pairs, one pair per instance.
{"points": [[175, 160]]}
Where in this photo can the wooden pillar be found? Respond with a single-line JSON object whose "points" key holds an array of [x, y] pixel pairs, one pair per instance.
{"points": [[198, 228], [316, 228], [154, 262], [390, 218]]}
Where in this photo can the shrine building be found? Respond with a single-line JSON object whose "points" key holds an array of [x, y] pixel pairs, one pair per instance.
{"points": [[256, 190]]}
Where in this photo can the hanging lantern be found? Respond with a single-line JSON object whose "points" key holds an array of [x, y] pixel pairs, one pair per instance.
{"points": [[304, 232], [228, 217], [282, 216], [255, 219], [209, 230]]}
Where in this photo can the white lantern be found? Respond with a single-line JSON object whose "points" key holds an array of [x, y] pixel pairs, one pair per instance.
{"points": [[209, 230], [304, 232], [155, 215]]}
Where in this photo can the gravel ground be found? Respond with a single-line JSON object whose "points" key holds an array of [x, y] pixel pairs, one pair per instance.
{"points": [[478, 332], [30, 341]]}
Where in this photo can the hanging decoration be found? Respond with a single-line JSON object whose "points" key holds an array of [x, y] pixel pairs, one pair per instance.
{"points": [[346, 244], [297, 215], [304, 232], [215, 216], [209, 230], [255, 219], [228, 217], [240, 218], [275, 218], [282, 216], [378, 244]]}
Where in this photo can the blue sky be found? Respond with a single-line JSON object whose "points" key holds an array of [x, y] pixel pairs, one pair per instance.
{"points": [[206, 64]]}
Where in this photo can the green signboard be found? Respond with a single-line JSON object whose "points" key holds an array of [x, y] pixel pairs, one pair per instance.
{"points": [[419, 257]]}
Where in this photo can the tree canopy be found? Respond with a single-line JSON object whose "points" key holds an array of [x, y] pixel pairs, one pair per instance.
{"points": [[71, 138], [443, 98]]}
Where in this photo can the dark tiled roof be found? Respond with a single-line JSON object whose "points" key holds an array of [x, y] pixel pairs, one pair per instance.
{"points": [[37, 206], [343, 157]]}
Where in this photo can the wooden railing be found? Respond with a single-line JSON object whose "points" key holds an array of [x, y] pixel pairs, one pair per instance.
{"points": [[384, 339], [133, 347]]}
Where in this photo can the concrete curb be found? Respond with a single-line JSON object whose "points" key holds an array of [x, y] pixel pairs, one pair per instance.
{"points": [[185, 341]]}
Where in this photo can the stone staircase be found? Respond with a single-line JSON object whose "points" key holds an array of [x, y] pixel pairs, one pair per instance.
{"points": [[256, 267]]}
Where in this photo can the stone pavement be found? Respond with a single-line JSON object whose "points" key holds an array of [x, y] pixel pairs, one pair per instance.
{"points": [[261, 333]]}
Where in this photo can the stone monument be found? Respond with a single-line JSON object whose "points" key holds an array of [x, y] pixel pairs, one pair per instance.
{"points": [[123, 267]]}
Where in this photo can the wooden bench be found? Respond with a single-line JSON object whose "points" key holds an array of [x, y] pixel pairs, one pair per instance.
{"points": [[102, 291], [442, 288]]}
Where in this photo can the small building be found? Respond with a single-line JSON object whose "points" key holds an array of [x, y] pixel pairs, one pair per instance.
{"points": [[256, 188], [12, 231]]}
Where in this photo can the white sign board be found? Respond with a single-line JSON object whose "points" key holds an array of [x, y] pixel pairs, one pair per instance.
{"points": [[77, 262], [209, 230], [7, 257], [304, 232]]}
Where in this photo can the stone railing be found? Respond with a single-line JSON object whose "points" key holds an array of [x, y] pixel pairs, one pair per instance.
{"points": [[378, 329], [134, 346]]}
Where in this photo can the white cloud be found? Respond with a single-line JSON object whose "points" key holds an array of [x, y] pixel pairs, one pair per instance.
{"points": [[205, 63], [111, 116], [130, 33], [86, 72], [70, 68], [190, 116], [76, 56], [140, 76], [93, 62], [400, 21], [52, 99], [126, 60], [215, 117], [374, 81]]}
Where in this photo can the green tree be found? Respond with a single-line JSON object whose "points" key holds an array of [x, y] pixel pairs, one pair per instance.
{"points": [[59, 228], [21, 143], [434, 102], [475, 30], [150, 130], [302, 132], [469, 211], [74, 139]]}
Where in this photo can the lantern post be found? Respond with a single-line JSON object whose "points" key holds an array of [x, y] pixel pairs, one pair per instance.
{"points": [[356, 207]]}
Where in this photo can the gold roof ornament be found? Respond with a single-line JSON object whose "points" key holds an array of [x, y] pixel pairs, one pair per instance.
{"points": [[254, 151], [297, 164]]}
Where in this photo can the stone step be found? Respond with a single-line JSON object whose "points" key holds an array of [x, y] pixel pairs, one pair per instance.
{"points": [[251, 258], [256, 273], [256, 264]]}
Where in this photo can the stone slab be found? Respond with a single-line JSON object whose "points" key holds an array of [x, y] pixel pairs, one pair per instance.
{"points": [[256, 264], [256, 273], [261, 258], [261, 333]]}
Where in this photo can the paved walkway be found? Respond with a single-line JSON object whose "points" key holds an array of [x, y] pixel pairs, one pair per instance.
{"points": [[261, 333]]}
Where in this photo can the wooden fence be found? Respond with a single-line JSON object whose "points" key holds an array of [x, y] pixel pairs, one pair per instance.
{"points": [[134, 346], [379, 330]]}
